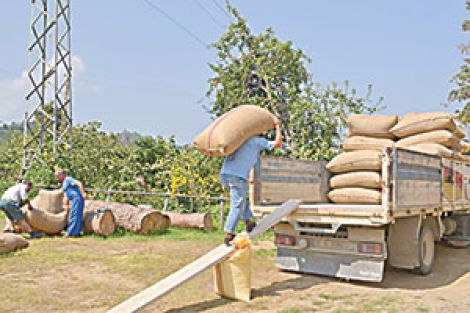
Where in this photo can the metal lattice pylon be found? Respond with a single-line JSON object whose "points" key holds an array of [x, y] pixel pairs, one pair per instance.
{"points": [[49, 123]]}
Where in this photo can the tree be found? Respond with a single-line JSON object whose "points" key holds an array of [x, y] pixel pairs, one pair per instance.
{"points": [[102, 161], [263, 70], [461, 91]]}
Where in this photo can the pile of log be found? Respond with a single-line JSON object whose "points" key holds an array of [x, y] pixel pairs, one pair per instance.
{"points": [[132, 218]]}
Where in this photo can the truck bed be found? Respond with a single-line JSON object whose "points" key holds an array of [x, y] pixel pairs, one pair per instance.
{"points": [[413, 184], [331, 213]]}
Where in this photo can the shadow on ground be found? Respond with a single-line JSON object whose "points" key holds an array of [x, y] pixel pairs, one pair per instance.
{"points": [[450, 265]]}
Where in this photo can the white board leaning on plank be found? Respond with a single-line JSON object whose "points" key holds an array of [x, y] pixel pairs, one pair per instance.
{"points": [[158, 290]]}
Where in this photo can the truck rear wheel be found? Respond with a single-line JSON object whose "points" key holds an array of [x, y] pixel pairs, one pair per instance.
{"points": [[426, 250]]}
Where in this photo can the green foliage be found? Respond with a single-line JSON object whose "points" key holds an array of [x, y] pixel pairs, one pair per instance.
{"points": [[9, 130], [261, 69], [103, 161], [461, 81]]}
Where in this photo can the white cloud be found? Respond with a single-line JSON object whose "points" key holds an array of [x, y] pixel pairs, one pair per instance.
{"points": [[12, 97], [13, 92], [78, 66]]}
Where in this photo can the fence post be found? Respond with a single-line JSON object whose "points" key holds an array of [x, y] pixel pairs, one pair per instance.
{"points": [[108, 195], [165, 204], [222, 213]]}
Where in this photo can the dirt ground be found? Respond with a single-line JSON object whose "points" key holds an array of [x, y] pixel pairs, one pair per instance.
{"points": [[92, 274]]}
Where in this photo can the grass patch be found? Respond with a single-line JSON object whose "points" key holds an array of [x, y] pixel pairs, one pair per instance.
{"points": [[329, 297], [293, 310], [318, 302], [172, 233], [422, 309]]}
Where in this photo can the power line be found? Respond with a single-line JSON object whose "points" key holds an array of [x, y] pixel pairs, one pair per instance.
{"points": [[203, 8], [221, 8], [178, 24]]}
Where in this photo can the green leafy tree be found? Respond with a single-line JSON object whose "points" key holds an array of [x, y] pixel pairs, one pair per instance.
{"points": [[263, 70], [103, 161], [461, 81]]}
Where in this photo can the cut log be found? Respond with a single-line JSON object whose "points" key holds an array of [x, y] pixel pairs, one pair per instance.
{"points": [[202, 221], [135, 219], [99, 221]]}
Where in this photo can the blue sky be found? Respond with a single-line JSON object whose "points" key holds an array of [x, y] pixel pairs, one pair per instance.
{"points": [[136, 70]]}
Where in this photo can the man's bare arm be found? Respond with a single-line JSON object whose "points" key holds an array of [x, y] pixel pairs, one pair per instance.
{"points": [[82, 189], [28, 203], [278, 140]]}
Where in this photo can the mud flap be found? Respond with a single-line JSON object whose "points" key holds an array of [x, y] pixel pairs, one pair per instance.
{"points": [[342, 266], [403, 240]]}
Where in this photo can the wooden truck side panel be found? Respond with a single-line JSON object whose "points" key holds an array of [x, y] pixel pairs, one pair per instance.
{"points": [[416, 182], [276, 180]]}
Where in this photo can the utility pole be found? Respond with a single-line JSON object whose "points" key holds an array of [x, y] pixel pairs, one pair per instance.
{"points": [[48, 119]]}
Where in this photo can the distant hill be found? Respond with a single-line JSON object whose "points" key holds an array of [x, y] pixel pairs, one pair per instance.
{"points": [[7, 130], [128, 137]]}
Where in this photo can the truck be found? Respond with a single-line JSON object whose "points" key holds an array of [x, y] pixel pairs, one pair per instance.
{"points": [[425, 199]]}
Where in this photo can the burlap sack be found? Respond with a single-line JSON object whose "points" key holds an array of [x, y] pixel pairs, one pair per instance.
{"points": [[232, 277], [356, 143], [355, 196], [46, 222], [232, 129], [11, 242], [441, 137], [463, 157], [464, 147], [434, 149], [415, 123], [49, 200], [371, 125], [355, 161], [356, 179], [460, 133]]}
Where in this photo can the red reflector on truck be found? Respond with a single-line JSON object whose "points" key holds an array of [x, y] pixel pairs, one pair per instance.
{"points": [[369, 248], [285, 240]]}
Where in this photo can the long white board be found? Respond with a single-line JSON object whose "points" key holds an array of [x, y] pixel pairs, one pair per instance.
{"points": [[196, 267]]}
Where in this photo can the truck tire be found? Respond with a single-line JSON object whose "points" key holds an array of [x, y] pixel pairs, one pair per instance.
{"points": [[426, 250]]}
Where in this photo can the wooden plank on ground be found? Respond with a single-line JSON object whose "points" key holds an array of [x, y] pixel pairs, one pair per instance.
{"points": [[208, 260]]}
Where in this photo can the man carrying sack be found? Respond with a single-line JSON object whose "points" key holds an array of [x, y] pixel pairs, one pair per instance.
{"points": [[75, 194], [234, 176], [11, 203]]}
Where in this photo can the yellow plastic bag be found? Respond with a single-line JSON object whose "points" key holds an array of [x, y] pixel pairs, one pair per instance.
{"points": [[232, 277]]}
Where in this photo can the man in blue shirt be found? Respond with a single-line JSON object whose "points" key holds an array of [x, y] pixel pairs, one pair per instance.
{"points": [[75, 194], [234, 176]]}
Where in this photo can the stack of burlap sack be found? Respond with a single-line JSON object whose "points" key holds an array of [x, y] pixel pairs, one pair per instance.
{"points": [[434, 133], [357, 170]]}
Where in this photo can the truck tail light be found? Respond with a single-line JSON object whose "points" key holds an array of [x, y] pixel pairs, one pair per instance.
{"points": [[285, 240], [369, 248]]}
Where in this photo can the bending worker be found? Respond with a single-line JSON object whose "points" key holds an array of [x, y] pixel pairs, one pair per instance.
{"points": [[234, 176], [76, 195], [11, 203]]}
